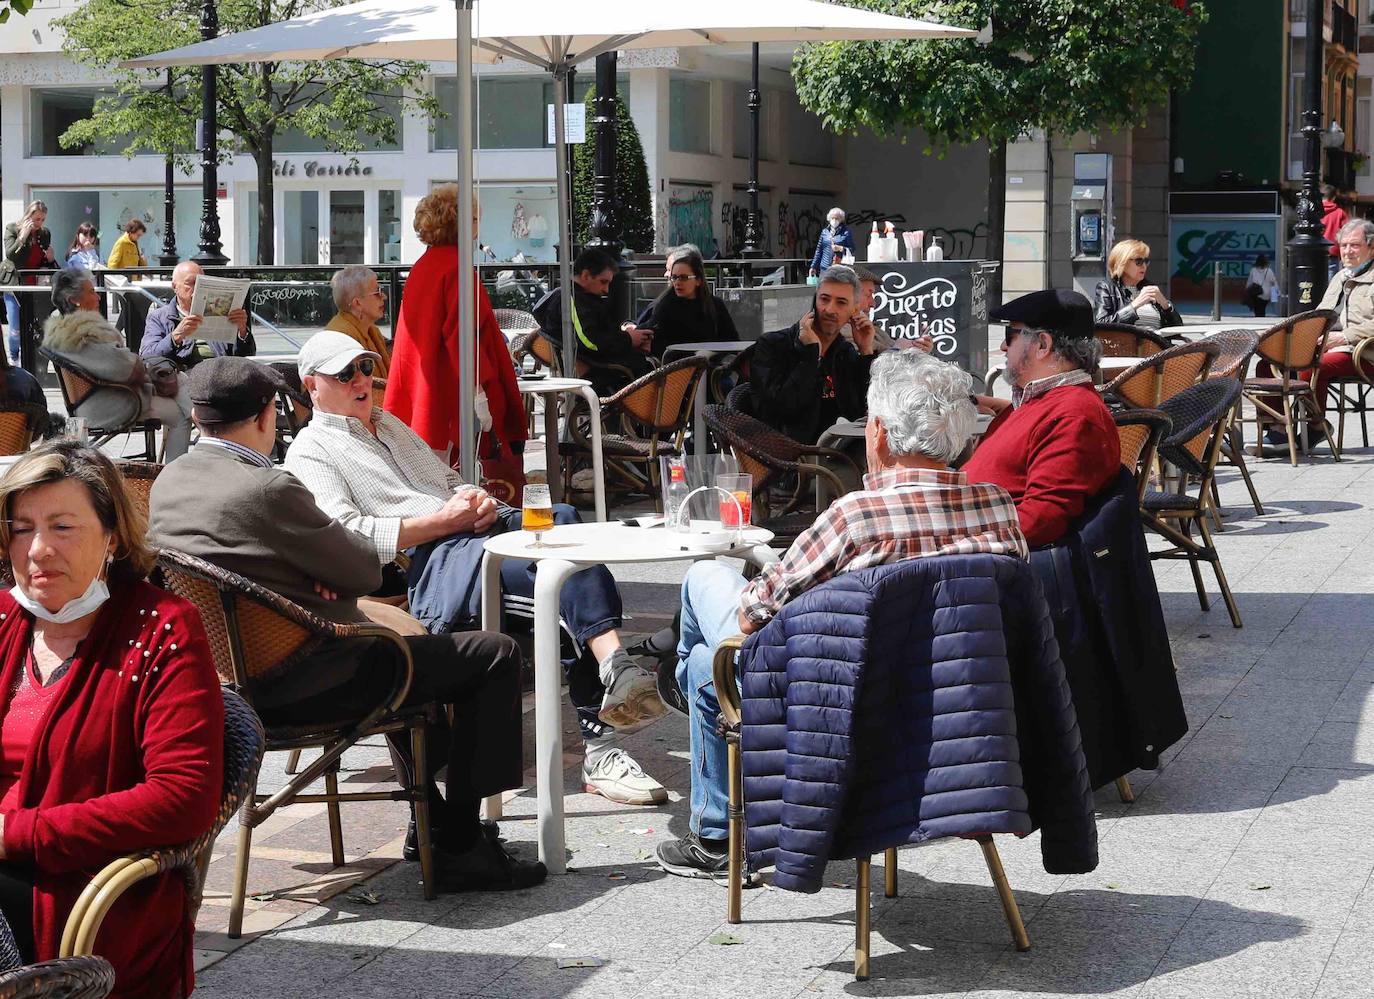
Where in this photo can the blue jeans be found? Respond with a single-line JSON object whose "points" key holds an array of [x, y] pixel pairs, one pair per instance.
{"points": [[12, 324], [710, 614]]}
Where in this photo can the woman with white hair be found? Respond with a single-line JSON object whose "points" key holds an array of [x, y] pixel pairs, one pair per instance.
{"points": [[912, 505], [77, 331], [835, 238], [360, 304]]}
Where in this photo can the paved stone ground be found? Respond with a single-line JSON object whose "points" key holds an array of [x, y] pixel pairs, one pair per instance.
{"points": [[1242, 869]]}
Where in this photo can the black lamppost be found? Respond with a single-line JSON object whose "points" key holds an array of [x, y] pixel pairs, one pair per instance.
{"points": [[1309, 250], [211, 249], [753, 223], [603, 227], [169, 256]]}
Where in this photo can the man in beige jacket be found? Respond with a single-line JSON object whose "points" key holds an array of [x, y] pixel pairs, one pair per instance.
{"points": [[1351, 295]]}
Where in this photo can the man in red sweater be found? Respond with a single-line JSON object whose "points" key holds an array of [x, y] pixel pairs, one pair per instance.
{"points": [[1054, 445]]}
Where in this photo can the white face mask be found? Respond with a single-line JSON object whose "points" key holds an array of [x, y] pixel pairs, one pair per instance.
{"points": [[73, 610]]}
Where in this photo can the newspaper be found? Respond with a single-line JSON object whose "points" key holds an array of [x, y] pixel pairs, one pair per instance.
{"points": [[213, 298]]}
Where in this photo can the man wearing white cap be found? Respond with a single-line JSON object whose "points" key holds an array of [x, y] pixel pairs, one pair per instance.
{"points": [[377, 477]]}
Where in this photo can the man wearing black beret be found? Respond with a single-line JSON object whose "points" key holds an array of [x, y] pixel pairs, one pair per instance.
{"points": [[227, 503], [1054, 444]]}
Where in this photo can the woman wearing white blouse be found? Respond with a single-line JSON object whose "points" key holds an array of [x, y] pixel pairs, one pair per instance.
{"points": [[1261, 276]]}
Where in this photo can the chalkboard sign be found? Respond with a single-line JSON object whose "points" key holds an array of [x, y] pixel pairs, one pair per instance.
{"points": [[945, 300]]}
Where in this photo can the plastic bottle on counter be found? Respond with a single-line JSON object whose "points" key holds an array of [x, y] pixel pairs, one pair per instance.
{"points": [[875, 245], [936, 251]]}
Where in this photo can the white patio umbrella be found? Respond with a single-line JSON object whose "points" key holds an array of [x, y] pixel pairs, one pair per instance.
{"points": [[555, 35]]}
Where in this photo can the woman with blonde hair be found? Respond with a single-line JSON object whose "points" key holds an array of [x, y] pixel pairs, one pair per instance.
{"points": [[1126, 296], [111, 718], [422, 381]]}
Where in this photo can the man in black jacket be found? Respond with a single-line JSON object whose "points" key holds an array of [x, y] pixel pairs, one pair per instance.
{"points": [[807, 376], [601, 341]]}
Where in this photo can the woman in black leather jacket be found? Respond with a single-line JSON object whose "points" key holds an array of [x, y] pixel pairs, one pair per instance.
{"points": [[1127, 297]]}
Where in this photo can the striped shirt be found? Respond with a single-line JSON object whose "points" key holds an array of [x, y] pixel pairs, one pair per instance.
{"points": [[900, 513], [370, 483], [235, 448], [1021, 396]]}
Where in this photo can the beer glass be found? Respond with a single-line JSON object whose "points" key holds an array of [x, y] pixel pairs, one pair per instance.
{"points": [[537, 512]]}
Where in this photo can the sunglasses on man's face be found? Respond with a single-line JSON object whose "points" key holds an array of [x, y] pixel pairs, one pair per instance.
{"points": [[363, 364]]}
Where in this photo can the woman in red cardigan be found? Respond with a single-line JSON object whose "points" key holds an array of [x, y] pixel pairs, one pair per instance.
{"points": [[422, 384], [111, 718]]}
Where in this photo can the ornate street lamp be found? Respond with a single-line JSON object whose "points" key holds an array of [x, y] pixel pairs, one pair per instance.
{"points": [[1309, 249], [753, 223], [211, 249], [169, 256]]}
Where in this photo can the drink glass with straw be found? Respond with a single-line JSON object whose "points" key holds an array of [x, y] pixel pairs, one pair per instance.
{"points": [[537, 512]]}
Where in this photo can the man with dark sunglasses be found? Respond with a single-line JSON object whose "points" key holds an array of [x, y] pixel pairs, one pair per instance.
{"points": [[380, 479]]}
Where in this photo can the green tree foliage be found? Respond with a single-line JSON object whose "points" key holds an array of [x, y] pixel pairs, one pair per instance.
{"points": [[632, 197], [1059, 65], [343, 103], [17, 6]]}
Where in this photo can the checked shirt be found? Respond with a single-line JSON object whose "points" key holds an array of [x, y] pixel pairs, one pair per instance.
{"points": [[900, 513]]}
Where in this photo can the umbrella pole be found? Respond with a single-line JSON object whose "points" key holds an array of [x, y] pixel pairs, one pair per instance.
{"points": [[467, 297], [560, 73]]}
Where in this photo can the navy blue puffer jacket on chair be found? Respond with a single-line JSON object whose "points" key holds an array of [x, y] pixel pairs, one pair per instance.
{"points": [[907, 702]]}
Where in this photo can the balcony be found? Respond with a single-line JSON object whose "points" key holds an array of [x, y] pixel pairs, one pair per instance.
{"points": [[1344, 30], [1340, 27], [1340, 169]]}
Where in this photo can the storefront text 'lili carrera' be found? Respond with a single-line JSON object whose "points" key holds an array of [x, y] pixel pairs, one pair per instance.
{"points": [[316, 168]]}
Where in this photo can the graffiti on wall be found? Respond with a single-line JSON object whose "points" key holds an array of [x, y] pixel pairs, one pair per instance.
{"points": [[691, 217], [734, 216]]}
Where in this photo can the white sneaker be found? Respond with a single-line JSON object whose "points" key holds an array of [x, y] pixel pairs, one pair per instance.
{"points": [[618, 777], [631, 696]]}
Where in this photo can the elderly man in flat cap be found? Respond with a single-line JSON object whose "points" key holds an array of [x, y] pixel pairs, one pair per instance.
{"points": [[1054, 445], [227, 503]]}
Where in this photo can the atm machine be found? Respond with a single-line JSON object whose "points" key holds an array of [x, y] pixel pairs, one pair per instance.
{"points": [[1091, 224]]}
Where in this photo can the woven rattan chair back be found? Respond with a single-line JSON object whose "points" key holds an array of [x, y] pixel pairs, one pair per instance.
{"points": [[19, 423], [1160, 376], [534, 344], [1200, 416], [139, 477], [1140, 431], [252, 630], [515, 322], [89, 977], [74, 388], [1236, 348], [661, 401], [1119, 340], [1296, 343], [760, 450]]}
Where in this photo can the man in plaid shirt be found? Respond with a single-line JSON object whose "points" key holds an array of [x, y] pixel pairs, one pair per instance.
{"points": [[913, 505]]}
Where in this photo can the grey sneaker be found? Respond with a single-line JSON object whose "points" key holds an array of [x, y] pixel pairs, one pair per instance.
{"points": [[631, 694], [616, 776], [694, 857]]}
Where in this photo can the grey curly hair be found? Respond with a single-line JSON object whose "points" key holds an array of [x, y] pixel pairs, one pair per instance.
{"points": [[923, 403]]}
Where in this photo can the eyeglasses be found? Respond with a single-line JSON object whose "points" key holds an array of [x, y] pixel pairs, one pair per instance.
{"points": [[1141, 261], [363, 364], [675, 278]]}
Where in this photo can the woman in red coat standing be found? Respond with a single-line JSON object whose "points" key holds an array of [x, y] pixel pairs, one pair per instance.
{"points": [[422, 384], [111, 719]]}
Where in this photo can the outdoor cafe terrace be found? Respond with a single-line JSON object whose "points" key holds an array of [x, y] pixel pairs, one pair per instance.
{"points": [[1242, 867]]}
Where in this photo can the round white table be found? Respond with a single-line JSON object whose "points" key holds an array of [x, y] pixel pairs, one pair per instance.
{"points": [[559, 386], [707, 347], [571, 547], [855, 428]]}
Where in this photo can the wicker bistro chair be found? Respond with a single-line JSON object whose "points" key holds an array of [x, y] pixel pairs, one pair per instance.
{"points": [[20, 424], [767, 454], [1237, 348], [254, 633], [244, 743], [1162, 375], [534, 345], [726, 679], [1140, 431], [139, 477], [64, 978], [1290, 348], [77, 384], [1350, 393], [1121, 340], [1200, 415], [515, 322], [652, 415]]}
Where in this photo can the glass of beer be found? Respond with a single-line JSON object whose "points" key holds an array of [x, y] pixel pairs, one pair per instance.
{"points": [[537, 512]]}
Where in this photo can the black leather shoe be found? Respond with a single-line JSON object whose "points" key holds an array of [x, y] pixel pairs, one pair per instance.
{"points": [[411, 850], [484, 866]]}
